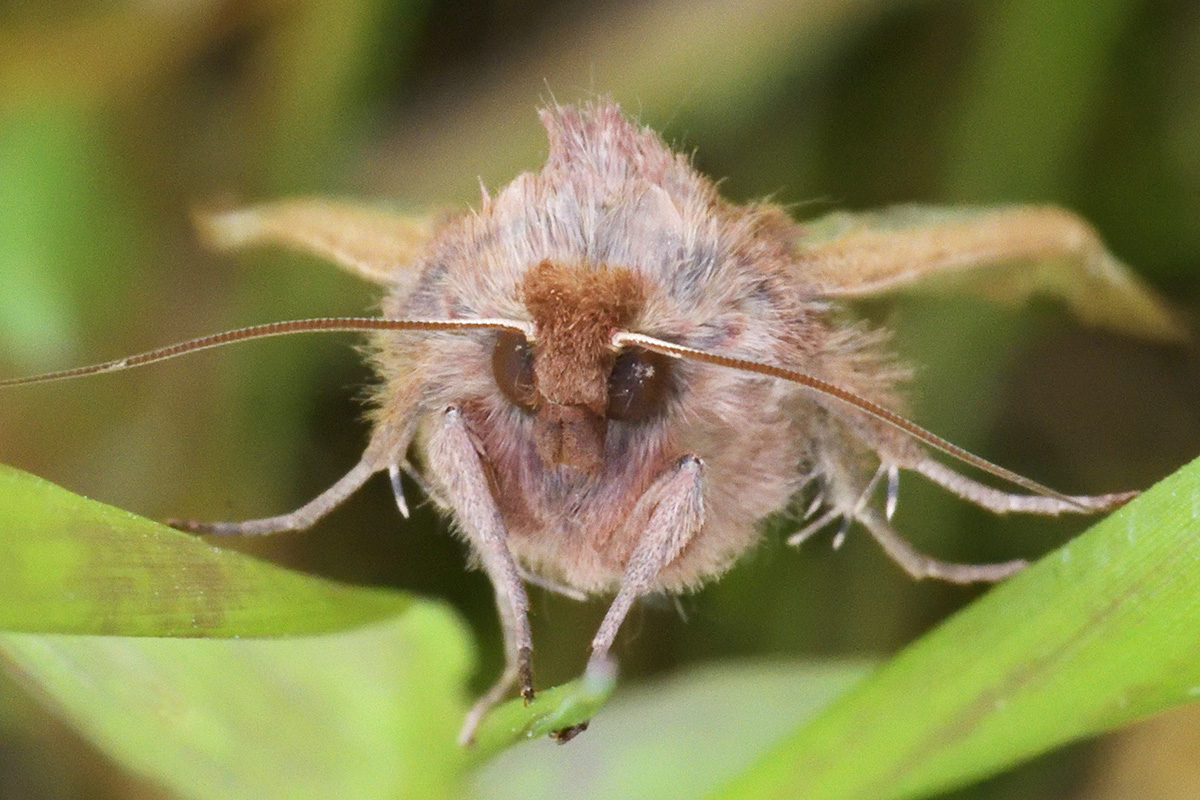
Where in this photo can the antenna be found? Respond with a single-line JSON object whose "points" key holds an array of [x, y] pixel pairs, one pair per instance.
{"points": [[868, 407], [269, 329]]}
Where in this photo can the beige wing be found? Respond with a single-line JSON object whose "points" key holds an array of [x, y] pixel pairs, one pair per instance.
{"points": [[1005, 253], [372, 243]]}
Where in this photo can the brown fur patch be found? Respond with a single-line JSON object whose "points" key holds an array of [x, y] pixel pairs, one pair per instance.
{"points": [[575, 311]]}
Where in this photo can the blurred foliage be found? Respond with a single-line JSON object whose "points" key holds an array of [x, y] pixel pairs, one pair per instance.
{"points": [[117, 119]]}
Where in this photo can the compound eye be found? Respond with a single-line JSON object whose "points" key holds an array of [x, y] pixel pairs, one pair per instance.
{"points": [[638, 385], [512, 364]]}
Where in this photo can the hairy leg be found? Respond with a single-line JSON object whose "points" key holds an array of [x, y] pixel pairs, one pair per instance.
{"points": [[1000, 502], [304, 517], [454, 459], [678, 513], [919, 565], [402, 467]]}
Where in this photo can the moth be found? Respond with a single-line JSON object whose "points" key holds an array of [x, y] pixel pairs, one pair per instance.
{"points": [[607, 375]]}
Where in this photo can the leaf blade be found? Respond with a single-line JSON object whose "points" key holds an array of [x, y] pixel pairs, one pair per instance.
{"points": [[645, 745], [72, 565], [366, 713], [1100, 633], [370, 710]]}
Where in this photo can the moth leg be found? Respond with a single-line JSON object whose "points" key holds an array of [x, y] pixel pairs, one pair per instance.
{"points": [[678, 514], [303, 517], [394, 472], [452, 456], [919, 565], [403, 467], [838, 511], [804, 534], [1000, 502], [550, 585]]}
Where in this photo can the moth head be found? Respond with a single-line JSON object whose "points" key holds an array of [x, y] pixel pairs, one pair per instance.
{"points": [[570, 377]]}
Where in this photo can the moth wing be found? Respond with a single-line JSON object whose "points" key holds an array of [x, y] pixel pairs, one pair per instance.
{"points": [[372, 243], [1005, 253]]}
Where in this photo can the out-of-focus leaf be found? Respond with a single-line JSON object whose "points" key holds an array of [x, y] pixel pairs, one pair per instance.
{"points": [[1104, 631], [72, 565], [39, 160], [679, 738], [723, 57], [100, 56], [368, 713], [1005, 254], [1011, 142], [312, 79]]}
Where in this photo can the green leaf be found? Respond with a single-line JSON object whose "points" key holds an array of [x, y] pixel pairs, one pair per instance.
{"points": [[368, 713], [680, 738], [72, 565], [1099, 633], [1104, 631], [552, 710]]}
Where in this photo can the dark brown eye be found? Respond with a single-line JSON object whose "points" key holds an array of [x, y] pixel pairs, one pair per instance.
{"points": [[512, 364], [638, 385]]}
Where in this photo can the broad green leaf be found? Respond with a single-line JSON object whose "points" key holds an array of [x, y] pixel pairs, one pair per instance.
{"points": [[681, 737], [368, 713], [365, 713], [1102, 632], [72, 565]]}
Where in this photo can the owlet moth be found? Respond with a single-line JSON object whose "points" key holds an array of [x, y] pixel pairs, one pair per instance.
{"points": [[607, 375]]}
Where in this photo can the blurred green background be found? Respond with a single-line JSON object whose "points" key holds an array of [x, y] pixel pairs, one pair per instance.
{"points": [[117, 119]]}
